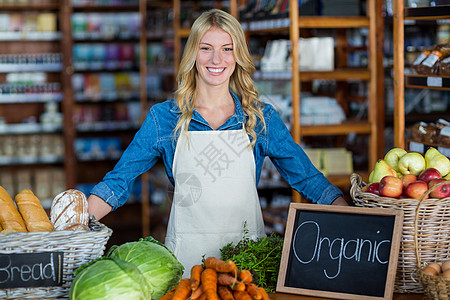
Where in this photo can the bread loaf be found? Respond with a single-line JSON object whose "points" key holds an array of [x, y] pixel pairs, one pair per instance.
{"points": [[10, 218], [34, 215], [69, 211]]}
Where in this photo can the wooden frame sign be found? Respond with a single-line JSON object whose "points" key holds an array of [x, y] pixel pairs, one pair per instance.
{"points": [[340, 252]]}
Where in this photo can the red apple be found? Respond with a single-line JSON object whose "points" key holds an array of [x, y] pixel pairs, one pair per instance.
{"points": [[416, 189], [442, 191], [429, 174], [373, 188], [407, 179], [391, 186]]}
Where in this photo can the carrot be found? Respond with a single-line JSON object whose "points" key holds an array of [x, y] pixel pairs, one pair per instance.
{"points": [[168, 295], [208, 279], [218, 264], [197, 293], [202, 297], [253, 291], [235, 270], [226, 279], [225, 293], [264, 294], [239, 286], [246, 276], [182, 290], [196, 271], [241, 295]]}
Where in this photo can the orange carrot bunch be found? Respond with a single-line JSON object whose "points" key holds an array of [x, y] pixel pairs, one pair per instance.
{"points": [[217, 280]]}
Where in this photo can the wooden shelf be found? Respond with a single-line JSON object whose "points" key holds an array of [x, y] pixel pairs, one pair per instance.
{"points": [[106, 8], [428, 82], [336, 129], [333, 22], [343, 74], [427, 13], [403, 14], [28, 7]]}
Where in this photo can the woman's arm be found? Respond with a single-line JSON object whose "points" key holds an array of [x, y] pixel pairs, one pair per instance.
{"points": [[339, 201], [98, 207], [294, 165]]}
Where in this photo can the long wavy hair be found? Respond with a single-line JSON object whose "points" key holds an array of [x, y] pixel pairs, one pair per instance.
{"points": [[241, 82]]}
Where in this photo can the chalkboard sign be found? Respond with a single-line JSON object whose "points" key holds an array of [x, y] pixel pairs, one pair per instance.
{"points": [[31, 269], [340, 252]]}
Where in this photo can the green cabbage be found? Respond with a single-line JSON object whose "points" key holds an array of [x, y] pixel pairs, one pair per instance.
{"points": [[109, 278], [157, 263]]}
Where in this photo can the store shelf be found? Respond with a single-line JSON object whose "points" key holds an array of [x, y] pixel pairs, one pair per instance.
{"points": [[28, 7], [107, 126], [430, 82], [7, 68], [403, 15], [29, 129], [27, 160], [30, 36], [333, 22], [427, 13], [336, 129], [30, 98], [342, 74], [106, 8]]}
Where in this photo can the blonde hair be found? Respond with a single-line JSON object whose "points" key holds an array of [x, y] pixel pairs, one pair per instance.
{"points": [[241, 82]]}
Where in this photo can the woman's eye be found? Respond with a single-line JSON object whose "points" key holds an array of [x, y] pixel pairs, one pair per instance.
{"points": [[204, 48], [228, 49]]}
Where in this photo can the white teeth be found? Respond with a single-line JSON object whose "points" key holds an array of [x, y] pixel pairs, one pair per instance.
{"points": [[215, 70]]}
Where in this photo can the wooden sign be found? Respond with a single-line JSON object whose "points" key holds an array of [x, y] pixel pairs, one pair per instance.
{"points": [[340, 252], [31, 269]]}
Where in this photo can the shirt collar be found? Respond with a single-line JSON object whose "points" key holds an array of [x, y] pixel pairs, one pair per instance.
{"points": [[238, 116]]}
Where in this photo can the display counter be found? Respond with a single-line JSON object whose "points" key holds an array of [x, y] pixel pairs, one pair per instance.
{"points": [[283, 296]]}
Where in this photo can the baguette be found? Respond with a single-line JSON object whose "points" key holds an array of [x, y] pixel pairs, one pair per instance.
{"points": [[10, 218], [32, 212]]}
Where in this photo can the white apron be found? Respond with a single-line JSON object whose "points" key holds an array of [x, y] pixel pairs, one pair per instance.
{"points": [[215, 194]]}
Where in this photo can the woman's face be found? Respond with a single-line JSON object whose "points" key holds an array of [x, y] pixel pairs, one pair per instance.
{"points": [[215, 61]]}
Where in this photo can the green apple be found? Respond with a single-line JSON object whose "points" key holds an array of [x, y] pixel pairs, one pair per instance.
{"points": [[393, 156], [411, 163], [437, 160], [381, 169]]}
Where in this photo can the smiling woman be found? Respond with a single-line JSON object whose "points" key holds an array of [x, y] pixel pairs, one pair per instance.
{"points": [[213, 138]]}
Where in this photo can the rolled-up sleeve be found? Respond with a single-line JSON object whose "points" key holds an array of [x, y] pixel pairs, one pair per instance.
{"points": [[294, 165]]}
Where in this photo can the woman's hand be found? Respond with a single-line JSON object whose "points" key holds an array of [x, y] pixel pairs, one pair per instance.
{"points": [[98, 207], [339, 201]]}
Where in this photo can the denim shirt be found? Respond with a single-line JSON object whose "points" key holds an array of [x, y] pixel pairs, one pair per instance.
{"points": [[155, 140]]}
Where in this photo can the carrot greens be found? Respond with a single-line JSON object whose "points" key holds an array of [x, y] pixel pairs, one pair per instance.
{"points": [[262, 257]]}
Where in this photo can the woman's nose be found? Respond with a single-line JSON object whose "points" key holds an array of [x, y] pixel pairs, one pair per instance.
{"points": [[216, 57]]}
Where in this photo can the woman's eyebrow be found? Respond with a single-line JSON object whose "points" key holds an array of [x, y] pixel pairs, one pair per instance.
{"points": [[205, 43]]}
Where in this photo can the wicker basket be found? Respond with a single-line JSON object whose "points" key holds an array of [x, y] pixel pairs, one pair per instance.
{"points": [[433, 230], [78, 247], [436, 287]]}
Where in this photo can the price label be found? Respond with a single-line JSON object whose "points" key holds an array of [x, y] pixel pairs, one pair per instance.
{"points": [[434, 81], [416, 147]]}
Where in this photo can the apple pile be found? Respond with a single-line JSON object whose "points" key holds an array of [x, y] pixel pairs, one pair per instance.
{"points": [[403, 174]]}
